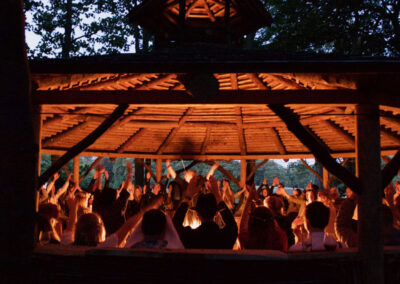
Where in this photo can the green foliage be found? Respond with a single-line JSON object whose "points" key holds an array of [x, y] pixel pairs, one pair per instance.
{"points": [[91, 27]]}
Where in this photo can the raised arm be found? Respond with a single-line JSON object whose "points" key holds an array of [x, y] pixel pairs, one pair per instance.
{"points": [[211, 171], [170, 169], [244, 222], [63, 189]]}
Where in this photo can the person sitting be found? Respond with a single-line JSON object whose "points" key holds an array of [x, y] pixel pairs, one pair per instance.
{"points": [[259, 229], [155, 231], [208, 235], [314, 238]]}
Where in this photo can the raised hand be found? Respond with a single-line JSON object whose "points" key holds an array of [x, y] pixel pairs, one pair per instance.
{"points": [[56, 176], [212, 185], [275, 181], [265, 181], [193, 187]]}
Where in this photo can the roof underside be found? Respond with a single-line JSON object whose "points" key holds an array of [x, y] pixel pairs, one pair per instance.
{"points": [[201, 131]]}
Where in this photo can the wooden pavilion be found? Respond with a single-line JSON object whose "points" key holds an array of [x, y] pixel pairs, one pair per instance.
{"points": [[199, 96]]}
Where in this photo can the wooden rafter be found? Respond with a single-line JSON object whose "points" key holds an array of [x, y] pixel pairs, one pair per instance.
{"points": [[317, 138], [234, 81], [173, 132], [82, 145], [58, 118], [205, 141], [340, 131], [148, 168], [389, 117], [277, 140], [390, 134], [132, 139], [254, 169], [314, 172], [287, 82], [256, 80], [153, 83], [74, 130], [209, 156], [225, 97], [319, 151], [118, 80], [240, 131], [208, 10]]}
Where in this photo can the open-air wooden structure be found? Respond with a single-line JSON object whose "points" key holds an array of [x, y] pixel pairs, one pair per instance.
{"points": [[208, 99]]}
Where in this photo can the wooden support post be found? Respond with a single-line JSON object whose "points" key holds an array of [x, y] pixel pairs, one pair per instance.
{"points": [[370, 242], [158, 170], [243, 172], [18, 167], [139, 172], [82, 145], [251, 164], [37, 124], [76, 170], [325, 178]]}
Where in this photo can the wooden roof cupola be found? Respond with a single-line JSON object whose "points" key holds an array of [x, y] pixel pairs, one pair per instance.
{"points": [[205, 21]]}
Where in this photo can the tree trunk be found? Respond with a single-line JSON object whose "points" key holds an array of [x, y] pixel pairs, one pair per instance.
{"points": [[67, 44]]}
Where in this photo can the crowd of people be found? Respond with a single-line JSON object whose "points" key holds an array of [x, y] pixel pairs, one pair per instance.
{"points": [[201, 212]]}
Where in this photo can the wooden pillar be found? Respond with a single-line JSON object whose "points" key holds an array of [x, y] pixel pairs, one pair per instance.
{"points": [[158, 169], [37, 124], [18, 167], [76, 170], [370, 242], [251, 164], [325, 178], [139, 172], [243, 172]]}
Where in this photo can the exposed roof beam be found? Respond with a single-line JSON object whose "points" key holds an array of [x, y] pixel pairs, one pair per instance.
{"points": [[82, 145], [209, 12], [389, 117], [238, 97], [390, 134], [340, 131], [209, 156], [256, 80], [240, 132], [314, 172], [137, 135], [319, 151], [234, 81], [172, 134], [205, 141], [277, 140]]}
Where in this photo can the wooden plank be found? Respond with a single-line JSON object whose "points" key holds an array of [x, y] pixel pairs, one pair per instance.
{"points": [[158, 170], [277, 141], [172, 134], [38, 126], [345, 160], [370, 243], [205, 141], [390, 134], [391, 170], [210, 156], [234, 81], [325, 179], [340, 131], [240, 132], [243, 172], [319, 151], [225, 97], [139, 171], [76, 170], [256, 80], [83, 144], [132, 139]]}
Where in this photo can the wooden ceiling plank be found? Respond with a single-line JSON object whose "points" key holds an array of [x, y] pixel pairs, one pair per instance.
{"points": [[210, 156], [208, 10], [256, 80], [205, 141], [240, 132], [318, 149], [137, 135], [340, 131], [277, 140], [390, 134], [173, 132], [181, 98], [234, 81], [82, 145]]}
